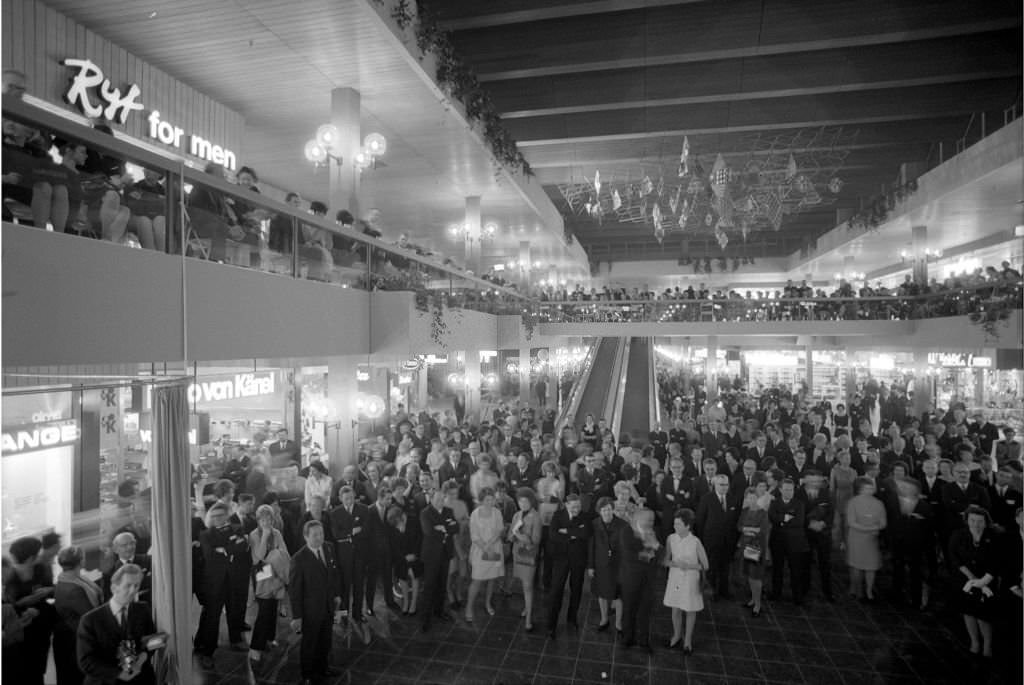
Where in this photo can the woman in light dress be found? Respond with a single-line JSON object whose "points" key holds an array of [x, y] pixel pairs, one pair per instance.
{"points": [[840, 484], [525, 535], [486, 557], [865, 519], [686, 560]]}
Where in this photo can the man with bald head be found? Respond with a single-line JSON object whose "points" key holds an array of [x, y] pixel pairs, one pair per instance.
{"points": [[123, 552]]}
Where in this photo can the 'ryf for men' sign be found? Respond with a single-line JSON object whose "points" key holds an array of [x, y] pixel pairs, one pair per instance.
{"points": [[242, 385], [96, 97]]}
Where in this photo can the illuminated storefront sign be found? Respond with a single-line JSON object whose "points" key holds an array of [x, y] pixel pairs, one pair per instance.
{"points": [[242, 385], [39, 437], [94, 95], [959, 360]]}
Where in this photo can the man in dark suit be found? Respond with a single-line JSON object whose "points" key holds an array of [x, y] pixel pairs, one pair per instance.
{"points": [[348, 526], [283, 452], [1005, 499], [911, 538], [378, 560], [121, 620], [521, 474], [743, 479], [124, 553], [219, 544], [675, 492], [568, 545], [716, 528], [959, 495], [439, 527], [705, 484], [350, 479], [592, 483], [458, 468], [758, 449], [788, 541], [658, 438], [818, 518], [314, 587]]}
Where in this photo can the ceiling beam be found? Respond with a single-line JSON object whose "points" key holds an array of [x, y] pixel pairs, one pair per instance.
{"points": [[867, 40], [543, 11]]}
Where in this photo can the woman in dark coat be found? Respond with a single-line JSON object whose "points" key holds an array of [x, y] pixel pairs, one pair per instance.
{"points": [[604, 562], [639, 566], [975, 556]]}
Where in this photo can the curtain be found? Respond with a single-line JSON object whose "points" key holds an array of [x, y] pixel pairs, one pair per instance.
{"points": [[172, 545]]}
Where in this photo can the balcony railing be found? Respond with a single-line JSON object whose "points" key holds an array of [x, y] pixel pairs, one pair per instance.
{"points": [[206, 218], [981, 302]]}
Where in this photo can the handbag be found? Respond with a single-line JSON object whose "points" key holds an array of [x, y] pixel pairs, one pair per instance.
{"points": [[752, 552], [524, 555], [489, 555]]}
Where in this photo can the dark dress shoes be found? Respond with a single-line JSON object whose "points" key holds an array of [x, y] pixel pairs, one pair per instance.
{"points": [[604, 626]]}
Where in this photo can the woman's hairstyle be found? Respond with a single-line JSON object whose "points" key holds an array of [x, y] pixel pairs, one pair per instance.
{"points": [[485, 493], [686, 516], [750, 491], [860, 482], [267, 511], [529, 495], [604, 502], [395, 516], [318, 466], [69, 557], [621, 486], [248, 170], [980, 511]]}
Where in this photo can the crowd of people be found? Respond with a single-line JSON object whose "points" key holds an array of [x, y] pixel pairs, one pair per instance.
{"points": [[960, 294], [442, 516]]}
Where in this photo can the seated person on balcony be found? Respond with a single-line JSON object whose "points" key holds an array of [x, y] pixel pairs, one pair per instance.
{"points": [[249, 216], [318, 240], [371, 224], [31, 177], [73, 156], [398, 261], [279, 238], [145, 199], [212, 216], [103, 182]]}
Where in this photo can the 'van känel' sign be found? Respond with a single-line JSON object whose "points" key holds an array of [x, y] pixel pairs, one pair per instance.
{"points": [[242, 385], [96, 97]]}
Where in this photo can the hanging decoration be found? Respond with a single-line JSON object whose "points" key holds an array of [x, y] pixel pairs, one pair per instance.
{"points": [[750, 188]]}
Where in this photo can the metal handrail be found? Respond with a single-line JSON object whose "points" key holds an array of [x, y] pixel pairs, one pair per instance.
{"points": [[570, 407], [617, 388], [19, 110]]}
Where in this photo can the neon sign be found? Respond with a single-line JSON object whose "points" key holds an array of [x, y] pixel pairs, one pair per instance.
{"points": [[959, 359], [39, 437], [242, 385], [90, 83]]}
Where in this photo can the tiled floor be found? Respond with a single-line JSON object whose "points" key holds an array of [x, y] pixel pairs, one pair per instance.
{"points": [[832, 644]]}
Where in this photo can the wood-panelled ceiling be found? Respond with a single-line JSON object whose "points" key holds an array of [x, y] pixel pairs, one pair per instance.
{"points": [[614, 85]]}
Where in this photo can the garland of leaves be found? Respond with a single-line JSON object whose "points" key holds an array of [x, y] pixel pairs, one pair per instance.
{"points": [[438, 326], [993, 316], [529, 319], [459, 82], [879, 207]]}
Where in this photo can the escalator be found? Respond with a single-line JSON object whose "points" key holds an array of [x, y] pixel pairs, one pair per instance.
{"points": [[636, 405], [595, 395]]}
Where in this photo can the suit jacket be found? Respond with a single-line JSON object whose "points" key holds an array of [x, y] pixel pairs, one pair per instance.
{"points": [[573, 544], [343, 525], [673, 498], [817, 508], [591, 486], [715, 526], [313, 586], [437, 545], [1005, 506], [758, 457], [99, 633], [377, 532], [913, 533], [603, 550], [788, 533], [283, 456], [701, 488], [460, 473], [143, 561], [955, 501], [520, 479]]}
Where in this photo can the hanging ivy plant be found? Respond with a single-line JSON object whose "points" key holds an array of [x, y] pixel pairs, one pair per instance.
{"points": [[529, 319], [459, 82], [438, 326], [993, 317]]}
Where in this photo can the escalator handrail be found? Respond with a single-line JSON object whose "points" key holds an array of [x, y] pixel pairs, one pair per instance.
{"points": [[576, 393], [619, 390], [652, 382]]}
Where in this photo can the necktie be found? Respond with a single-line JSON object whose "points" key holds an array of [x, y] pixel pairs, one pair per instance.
{"points": [[124, 620], [722, 500], [320, 556]]}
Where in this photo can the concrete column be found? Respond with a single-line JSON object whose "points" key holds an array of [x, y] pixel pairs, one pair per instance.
{"points": [[849, 379], [473, 379], [472, 234], [524, 372], [848, 267], [421, 389], [919, 268], [711, 368], [344, 177], [342, 395]]}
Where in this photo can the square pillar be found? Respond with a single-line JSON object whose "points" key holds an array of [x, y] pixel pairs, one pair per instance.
{"points": [[472, 233], [342, 396], [711, 368], [920, 245], [344, 177]]}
